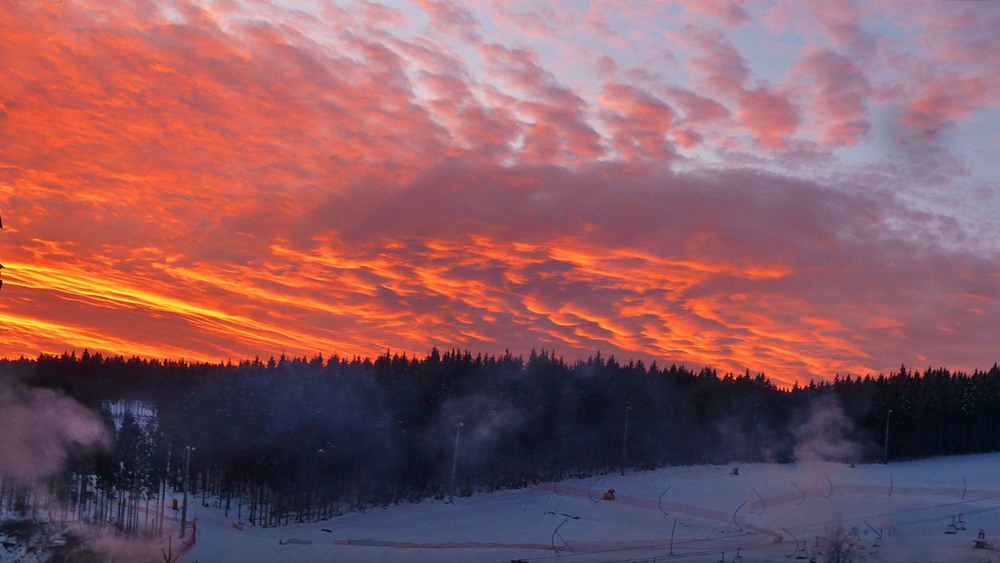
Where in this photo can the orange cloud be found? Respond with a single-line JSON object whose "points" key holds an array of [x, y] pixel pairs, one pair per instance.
{"points": [[214, 183], [840, 90], [769, 116], [638, 123]]}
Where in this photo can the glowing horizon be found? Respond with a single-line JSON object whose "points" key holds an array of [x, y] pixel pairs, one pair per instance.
{"points": [[800, 189]]}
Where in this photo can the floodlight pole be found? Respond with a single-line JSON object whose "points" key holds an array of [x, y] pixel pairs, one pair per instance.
{"points": [[454, 465], [184, 510], [885, 452], [628, 408]]}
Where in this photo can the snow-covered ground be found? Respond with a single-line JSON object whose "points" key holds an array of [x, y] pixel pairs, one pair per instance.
{"points": [[768, 512]]}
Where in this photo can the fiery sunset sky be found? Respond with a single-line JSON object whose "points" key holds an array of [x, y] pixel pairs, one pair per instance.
{"points": [[797, 188]]}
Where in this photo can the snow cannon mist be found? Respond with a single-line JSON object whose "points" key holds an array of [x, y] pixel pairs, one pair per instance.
{"points": [[40, 429], [824, 433], [468, 434]]}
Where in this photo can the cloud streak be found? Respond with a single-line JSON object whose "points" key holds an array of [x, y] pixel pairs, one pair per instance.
{"points": [[223, 183]]}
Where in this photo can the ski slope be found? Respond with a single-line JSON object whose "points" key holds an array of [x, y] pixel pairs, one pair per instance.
{"points": [[898, 512]]}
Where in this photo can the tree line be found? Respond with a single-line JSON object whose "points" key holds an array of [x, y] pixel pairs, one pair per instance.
{"points": [[304, 439]]}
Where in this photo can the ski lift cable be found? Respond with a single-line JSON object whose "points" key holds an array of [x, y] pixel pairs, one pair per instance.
{"points": [[693, 554], [708, 551], [702, 551], [906, 511], [912, 511]]}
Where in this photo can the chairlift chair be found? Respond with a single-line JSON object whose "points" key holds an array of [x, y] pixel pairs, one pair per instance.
{"points": [[950, 528], [818, 546]]}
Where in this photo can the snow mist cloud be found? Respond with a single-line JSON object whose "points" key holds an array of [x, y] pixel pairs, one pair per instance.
{"points": [[825, 433], [39, 429]]}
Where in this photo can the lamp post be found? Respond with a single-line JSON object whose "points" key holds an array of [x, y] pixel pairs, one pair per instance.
{"points": [[184, 509], [454, 464], [628, 408], [753, 431], [885, 452]]}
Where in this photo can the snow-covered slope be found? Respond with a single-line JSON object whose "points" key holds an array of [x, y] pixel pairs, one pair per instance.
{"points": [[766, 512]]}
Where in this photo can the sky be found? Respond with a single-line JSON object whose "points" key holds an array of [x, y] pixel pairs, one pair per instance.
{"points": [[802, 189]]}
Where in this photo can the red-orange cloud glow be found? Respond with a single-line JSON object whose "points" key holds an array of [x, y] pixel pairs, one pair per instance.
{"points": [[222, 182]]}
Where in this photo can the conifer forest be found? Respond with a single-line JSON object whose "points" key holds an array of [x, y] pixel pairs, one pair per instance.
{"points": [[305, 439]]}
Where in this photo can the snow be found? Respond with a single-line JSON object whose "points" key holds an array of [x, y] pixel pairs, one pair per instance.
{"points": [[691, 513], [143, 412]]}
